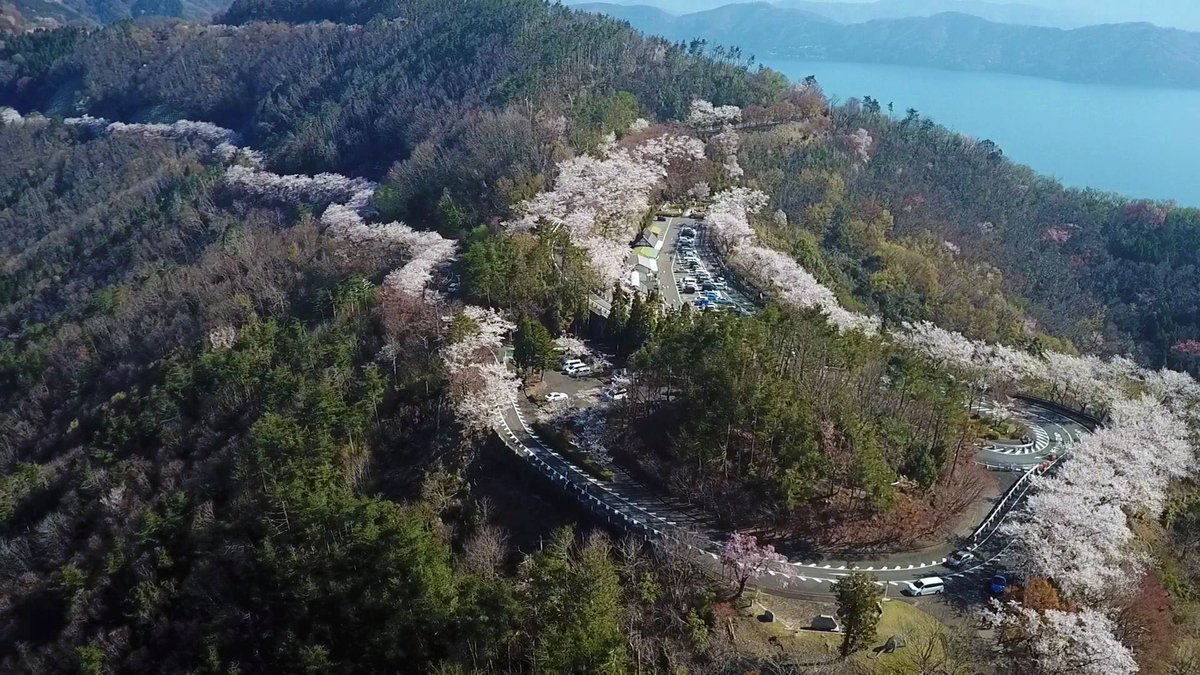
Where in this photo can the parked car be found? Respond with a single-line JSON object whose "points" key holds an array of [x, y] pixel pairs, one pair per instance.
{"points": [[571, 362], [689, 288], [617, 394], [687, 232], [959, 558], [926, 586], [720, 284], [661, 219], [579, 371], [998, 584], [708, 286], [556, 396]]}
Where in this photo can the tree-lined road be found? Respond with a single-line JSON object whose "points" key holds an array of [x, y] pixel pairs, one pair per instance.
{"points": [[629, 505]]}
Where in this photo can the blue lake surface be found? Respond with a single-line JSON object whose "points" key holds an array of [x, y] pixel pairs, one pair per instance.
{"points": [[1139, 142]]}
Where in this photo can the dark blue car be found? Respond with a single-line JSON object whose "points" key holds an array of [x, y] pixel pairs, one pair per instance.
{"points": [[998, 584]]}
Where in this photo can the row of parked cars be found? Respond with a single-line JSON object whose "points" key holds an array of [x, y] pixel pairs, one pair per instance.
{"points": [[697, 279], [575, 367]]}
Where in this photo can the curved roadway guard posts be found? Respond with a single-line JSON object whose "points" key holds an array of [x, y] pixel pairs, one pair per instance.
{"points": [[625, 503]]}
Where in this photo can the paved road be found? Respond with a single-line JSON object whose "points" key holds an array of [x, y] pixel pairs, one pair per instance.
{"points": [[632, 506]]}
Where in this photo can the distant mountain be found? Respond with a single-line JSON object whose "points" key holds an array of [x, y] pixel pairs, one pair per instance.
{"points": [[109, 11], [1015, 13], [1134, 53], [859, 12]]}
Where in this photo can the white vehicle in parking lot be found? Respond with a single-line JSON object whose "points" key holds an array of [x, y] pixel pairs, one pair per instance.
{"points": [[926, 586], [578, 370], [556, 396]]}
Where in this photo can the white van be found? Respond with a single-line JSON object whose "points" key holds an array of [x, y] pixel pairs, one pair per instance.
{"points": [[926, 586]]}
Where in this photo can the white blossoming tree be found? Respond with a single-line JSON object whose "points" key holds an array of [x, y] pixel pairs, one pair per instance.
{"points": [[1055, 642], [704, 115]]}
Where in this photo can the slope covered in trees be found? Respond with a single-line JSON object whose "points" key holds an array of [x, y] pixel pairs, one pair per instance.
{"points": [[226, 443], [432, 94], [241, 428], [43, 13]]}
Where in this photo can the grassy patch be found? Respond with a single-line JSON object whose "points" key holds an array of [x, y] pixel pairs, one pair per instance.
{"points": [[926, 637]]}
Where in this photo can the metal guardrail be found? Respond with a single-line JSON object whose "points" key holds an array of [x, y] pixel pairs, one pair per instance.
{"points": [[1013, 495]]}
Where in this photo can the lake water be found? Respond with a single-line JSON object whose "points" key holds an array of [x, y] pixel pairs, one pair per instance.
{"points": [[1134, 141]]}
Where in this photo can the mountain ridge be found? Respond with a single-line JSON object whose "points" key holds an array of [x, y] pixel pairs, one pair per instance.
{"points": [[1126, 54]]}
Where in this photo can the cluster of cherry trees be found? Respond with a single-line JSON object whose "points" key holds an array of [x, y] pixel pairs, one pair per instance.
{"points": [[1061, 642], [323, 188], [383, 242], [729, 223], [224, 141], [1075, 528], [11, 116], [601, 200]]}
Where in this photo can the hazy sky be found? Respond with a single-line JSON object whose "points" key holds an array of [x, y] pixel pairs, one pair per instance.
{"points": [[1177, 13]]}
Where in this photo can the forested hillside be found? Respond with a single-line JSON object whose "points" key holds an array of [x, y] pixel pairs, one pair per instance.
{"points": [[235, 429], [177, 497], [42, 13]]}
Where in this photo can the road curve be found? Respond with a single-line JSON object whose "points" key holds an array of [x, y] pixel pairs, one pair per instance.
{"points": [[631, 506]]}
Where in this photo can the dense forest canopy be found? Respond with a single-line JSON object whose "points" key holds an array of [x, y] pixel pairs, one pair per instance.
{"points": [[225, 444]]}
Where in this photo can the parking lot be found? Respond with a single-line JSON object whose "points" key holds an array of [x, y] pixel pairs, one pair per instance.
{"points": [[696, 275]]}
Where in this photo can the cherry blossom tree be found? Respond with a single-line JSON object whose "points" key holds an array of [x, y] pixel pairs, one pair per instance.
{"points": [[704, 115], [725, 145], [1066, 531], [859, 142], [1187, 347], [743, 557], [1056, 642], [10, 116], [1146, 213], [480, 385], [222, 337]]}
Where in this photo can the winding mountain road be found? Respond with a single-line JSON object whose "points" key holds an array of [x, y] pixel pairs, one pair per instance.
{"points": [[627, 504]]}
